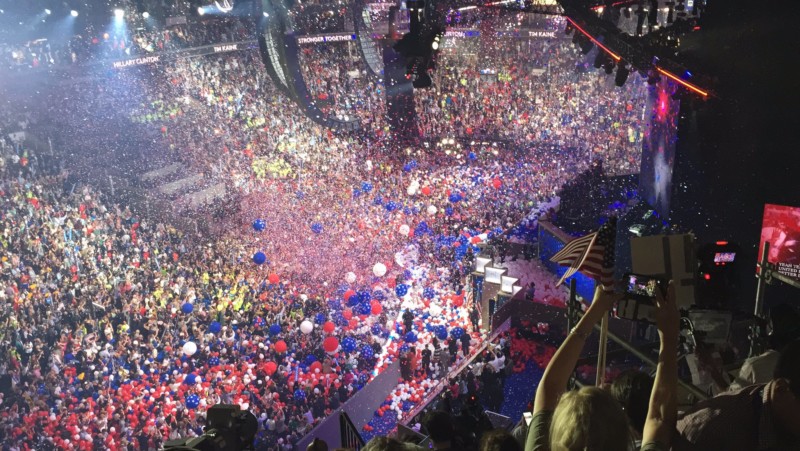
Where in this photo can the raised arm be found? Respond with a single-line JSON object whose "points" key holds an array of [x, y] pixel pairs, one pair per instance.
{"points": [[663, 410], [560, 368]]}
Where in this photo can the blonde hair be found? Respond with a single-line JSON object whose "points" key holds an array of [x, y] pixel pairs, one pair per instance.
{"points": [[589, 419]]}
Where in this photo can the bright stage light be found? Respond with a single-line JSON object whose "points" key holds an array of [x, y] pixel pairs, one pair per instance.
{"points": [[146, 15], [119, 13], [47, 11], [201, 11], [266, 14], [73, 13]]}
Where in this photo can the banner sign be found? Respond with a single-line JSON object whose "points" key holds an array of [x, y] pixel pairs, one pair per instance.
{"points": [[781, 228], [197, 51], [135, 62], [520, 34], [322, 38]]}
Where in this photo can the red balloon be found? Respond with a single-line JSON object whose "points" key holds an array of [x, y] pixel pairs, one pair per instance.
{"points": [[376, 308], [458, 301], [270, 368], [497, 183], [316, 366], [353, 323], [330, 344], [426, 190], [348, 294], [273, 278], [347, 314], [328, 327], [280, 347]]}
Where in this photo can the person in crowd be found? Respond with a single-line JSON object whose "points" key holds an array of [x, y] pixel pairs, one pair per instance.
{"points": [[441, 431], [408, 320], [475, 317], [784, 329], [590, 418], [499, 440], [465, 342], [389, 444], [317, 445], [757, 417], [632, 390]]}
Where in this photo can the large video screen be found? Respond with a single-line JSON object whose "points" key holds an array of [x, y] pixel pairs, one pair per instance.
{"points": [[658, 147], [781, 228]]}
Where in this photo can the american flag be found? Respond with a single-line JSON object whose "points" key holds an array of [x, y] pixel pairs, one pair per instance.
{"points": [[592, 255]]}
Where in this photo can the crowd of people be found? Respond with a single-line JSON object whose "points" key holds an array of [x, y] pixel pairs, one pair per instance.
{"points": [[534, 90], [337, 79], [120, 327]]}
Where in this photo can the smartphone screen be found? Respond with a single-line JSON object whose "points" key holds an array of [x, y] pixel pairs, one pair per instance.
{"points": [[642, 286]]}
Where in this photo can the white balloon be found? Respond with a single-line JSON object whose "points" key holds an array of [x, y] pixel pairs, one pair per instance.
{"points": [[189, 348], [350, 277], [405, 230], [399, 259], [432, 210], [379, 269], [306, 327], [412, 190]]}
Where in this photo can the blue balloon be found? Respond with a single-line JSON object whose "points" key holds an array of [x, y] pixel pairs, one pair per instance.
{"points": [[364, 296], [379, 295], [401, 290], [376, 329], [448, 211], [367, 352], [410, 337], [456, 332], [404, 348], [316, 228], [407, 167], [407, 274], [259, 225], [259, 258], [348, 344], [187, 308], [319, 318], [413, 164], [275, 329], [299, 394], [192, 401], [441, 332], [310, 359], [366, 187], [213, 361], [363, 308], [454, 197], [214, 327], [391, 206], [429, 293], [378, 201], [190, 379], [472, 156], [353, 300], [356, 192]]}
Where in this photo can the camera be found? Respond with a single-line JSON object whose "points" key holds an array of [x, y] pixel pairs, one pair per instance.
{"points": [[229, 429]]}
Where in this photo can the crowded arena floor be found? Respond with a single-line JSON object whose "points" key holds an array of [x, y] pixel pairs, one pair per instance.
{"points": [[128, 311]]}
